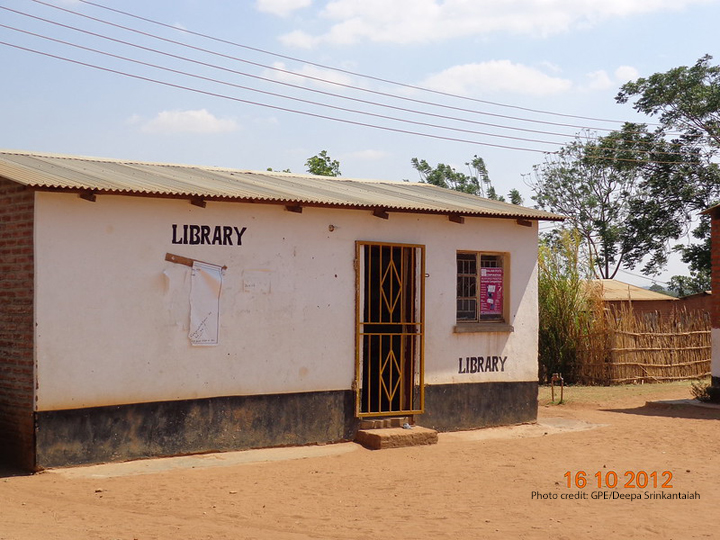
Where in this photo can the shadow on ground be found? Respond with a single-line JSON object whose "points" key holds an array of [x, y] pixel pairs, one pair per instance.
{"points": [[681, 408], [8, 471]]}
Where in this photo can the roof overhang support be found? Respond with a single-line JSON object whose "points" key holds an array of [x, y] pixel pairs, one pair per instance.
{"points": [[524, 222], [456, 219], [198, 201], [88, 196], [296, 208], [381, 213]]}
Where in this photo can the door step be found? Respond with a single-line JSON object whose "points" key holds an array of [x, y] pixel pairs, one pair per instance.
{"points": [[395, 437], [379, 423]]}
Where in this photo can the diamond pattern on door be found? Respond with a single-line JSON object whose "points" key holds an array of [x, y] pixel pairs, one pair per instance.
{"points": [[390, 329]]}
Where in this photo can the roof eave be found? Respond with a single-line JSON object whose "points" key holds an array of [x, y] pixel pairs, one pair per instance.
{"points": [[290, 201]]}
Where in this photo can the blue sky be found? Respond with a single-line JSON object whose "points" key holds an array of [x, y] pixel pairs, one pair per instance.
{"points": [[525, 77]]}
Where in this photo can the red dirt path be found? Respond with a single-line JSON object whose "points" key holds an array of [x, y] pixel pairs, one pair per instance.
{"points": [[460, 488]]}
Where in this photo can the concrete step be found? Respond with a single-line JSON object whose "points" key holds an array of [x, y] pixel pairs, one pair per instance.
{"points": [[378, 423], [395, 437]]}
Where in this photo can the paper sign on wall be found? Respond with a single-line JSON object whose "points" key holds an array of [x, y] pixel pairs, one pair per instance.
{"points": [[206, 283], [491, 291]]}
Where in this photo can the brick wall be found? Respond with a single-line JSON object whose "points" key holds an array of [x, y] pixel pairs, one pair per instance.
{"points": [[715, 312], [17, 376]]}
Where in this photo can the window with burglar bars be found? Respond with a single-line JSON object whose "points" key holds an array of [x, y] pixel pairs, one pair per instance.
{"points": [[480, 287]]}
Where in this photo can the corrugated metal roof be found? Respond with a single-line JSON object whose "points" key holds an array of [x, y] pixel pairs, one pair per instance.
{"points": [[75, 173], [614, 291]]}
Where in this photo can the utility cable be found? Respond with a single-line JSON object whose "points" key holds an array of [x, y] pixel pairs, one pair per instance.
{"points": [[274, 94], [275, 107], [300, 87], [340, 70], [266, 105], [310, 77], [274, 81]]}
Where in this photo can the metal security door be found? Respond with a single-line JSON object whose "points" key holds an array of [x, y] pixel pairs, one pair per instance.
{"points": [[389, 322]]}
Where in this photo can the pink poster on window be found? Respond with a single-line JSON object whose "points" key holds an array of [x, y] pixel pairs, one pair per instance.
{"points": [[491, 293]]}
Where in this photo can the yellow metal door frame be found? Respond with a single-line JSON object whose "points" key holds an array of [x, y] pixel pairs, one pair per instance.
{"points": [[389, 316]]}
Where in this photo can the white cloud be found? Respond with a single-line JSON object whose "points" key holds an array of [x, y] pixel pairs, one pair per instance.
{"points": [[494, 77], [601, 80], [134, 120], [300, 39], [266, 121], [309, 75], [199, 121], [551, 67], [422, 21], [282, 8], [625, 74]]}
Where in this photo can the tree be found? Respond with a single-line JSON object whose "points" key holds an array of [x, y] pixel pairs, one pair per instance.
{"points": [[685, 285], [686, 100], [477, 182], [323, 165], [662, 290], [589, 182], [630, 194], [515, 197]]}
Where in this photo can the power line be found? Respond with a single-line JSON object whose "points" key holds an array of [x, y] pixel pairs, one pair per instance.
{"points": [[217, 81], [282, 96], [275, 107], [654, 280], [288, 84], [339, 70], [274, 81], [310, 77]]}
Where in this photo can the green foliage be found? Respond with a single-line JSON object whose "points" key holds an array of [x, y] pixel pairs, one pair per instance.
{"points": [[566, 304], [515, 197], [700, 390], [477, 182], [685, 285], [270, 169], [323, 165], [629, 193], [686, 100], [593, 181], [662, 290]]}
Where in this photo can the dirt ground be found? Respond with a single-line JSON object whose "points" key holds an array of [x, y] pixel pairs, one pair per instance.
{"points": [[469, 485]]}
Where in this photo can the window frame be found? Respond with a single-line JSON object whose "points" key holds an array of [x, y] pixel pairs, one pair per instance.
{"points": [[478, 323]]}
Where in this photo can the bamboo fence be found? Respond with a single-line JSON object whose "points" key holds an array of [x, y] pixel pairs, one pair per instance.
{"points": [[625, 347]]}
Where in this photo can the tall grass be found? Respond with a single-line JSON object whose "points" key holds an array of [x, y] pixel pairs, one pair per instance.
{"points": [[567, 306]]}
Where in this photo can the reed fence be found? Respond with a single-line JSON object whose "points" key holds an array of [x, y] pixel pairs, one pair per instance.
{"points": [[625, 347]]}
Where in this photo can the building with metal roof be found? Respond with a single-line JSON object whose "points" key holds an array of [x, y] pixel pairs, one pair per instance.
{"points": [[92, 176], [612, 290], [158, 309]]}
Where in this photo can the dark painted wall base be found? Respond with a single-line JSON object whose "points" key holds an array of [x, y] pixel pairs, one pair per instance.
{"points": [[713, 390], [118, 433], [17, 444], [101, 434], [454, 407]]}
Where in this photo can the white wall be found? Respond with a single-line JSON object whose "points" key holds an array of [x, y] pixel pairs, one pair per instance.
{"points": [[112, 315]]}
